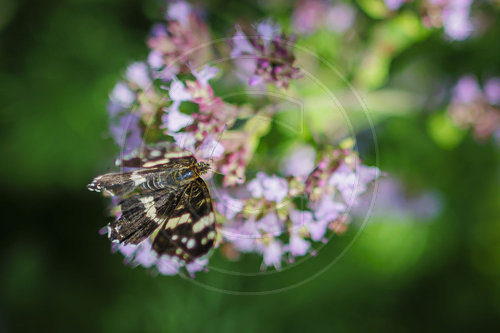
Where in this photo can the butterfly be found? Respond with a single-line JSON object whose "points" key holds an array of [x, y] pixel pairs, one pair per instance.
{"points": [[165, 199]]}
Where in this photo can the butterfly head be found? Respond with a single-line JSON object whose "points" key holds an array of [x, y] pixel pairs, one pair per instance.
{"points": [[204, 167]]}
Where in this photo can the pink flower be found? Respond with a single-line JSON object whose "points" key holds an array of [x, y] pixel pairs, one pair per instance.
{"points": [[268, 31], [138, 74], [167, 73], [340, 17], [128, 250], [317, 229], [272, 254], [366, 175], [272, 188], [242, 235], [155, 60], [175, 41], [196, 266], [228, 205], [234, 164], [174, 120], [144, 255], [241, 45], [492, 90], [393, 201], [452, 15], [300, 162], [456, 19], [185, 141], [298, 245], [270, 224], [309, 15], [122, 95], [178, 92], [312, 15], [473, 108], [168, 266], [300, 218], [394, 4], [211, 148], [271, 52], [345, 180], [126, 132], [205, 74], [179, 11], [351, 184], [255, 80], [328, 209]]}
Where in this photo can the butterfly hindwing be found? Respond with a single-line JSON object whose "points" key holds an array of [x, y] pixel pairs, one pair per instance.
{"points": [[190, 231]]}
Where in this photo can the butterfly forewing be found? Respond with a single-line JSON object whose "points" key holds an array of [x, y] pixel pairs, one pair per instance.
{"points": [[153, 177]]}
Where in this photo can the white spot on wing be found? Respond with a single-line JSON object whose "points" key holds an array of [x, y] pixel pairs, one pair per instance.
{"points": [[106, 191], [179, 154], [175, 221], [154, 163], [149, 206], [205, 221], [137, 179], [155, 153], [94, 185]]}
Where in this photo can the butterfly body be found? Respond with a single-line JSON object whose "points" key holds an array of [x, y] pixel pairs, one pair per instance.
{"points": [[164, 199]]}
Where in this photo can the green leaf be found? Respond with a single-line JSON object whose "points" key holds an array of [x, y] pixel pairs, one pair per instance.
{"points": [[443, 131]]}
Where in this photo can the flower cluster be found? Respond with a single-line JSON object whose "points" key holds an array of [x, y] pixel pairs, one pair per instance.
{"points": [[396, 202], [131, 100], [266, 57], [142, 255], [451, 15], [169, 100], [197, 132], [183, 40], [311, 15], [476, 108], [262, 218]]}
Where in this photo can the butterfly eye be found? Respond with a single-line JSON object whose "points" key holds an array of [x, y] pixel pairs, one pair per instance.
{"points": [[186, 175]]}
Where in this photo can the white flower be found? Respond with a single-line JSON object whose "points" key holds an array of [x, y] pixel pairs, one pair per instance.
{"points": [[138, 74]]}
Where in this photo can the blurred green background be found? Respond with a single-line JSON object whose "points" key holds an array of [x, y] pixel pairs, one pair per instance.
{"points": [[59, 60]]}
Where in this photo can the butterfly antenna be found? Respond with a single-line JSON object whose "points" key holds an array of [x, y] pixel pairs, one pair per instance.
{"points": [[215, 146]]}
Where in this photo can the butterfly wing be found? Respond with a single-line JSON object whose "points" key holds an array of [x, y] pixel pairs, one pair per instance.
{"points": [[142, 214], [180, 218], [149, 156], [154, 176], [189, 231]]}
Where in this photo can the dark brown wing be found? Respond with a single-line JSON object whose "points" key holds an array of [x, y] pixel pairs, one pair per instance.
{"points": [[189, 232], [148, 156], [154, 177], [142, 213]]}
